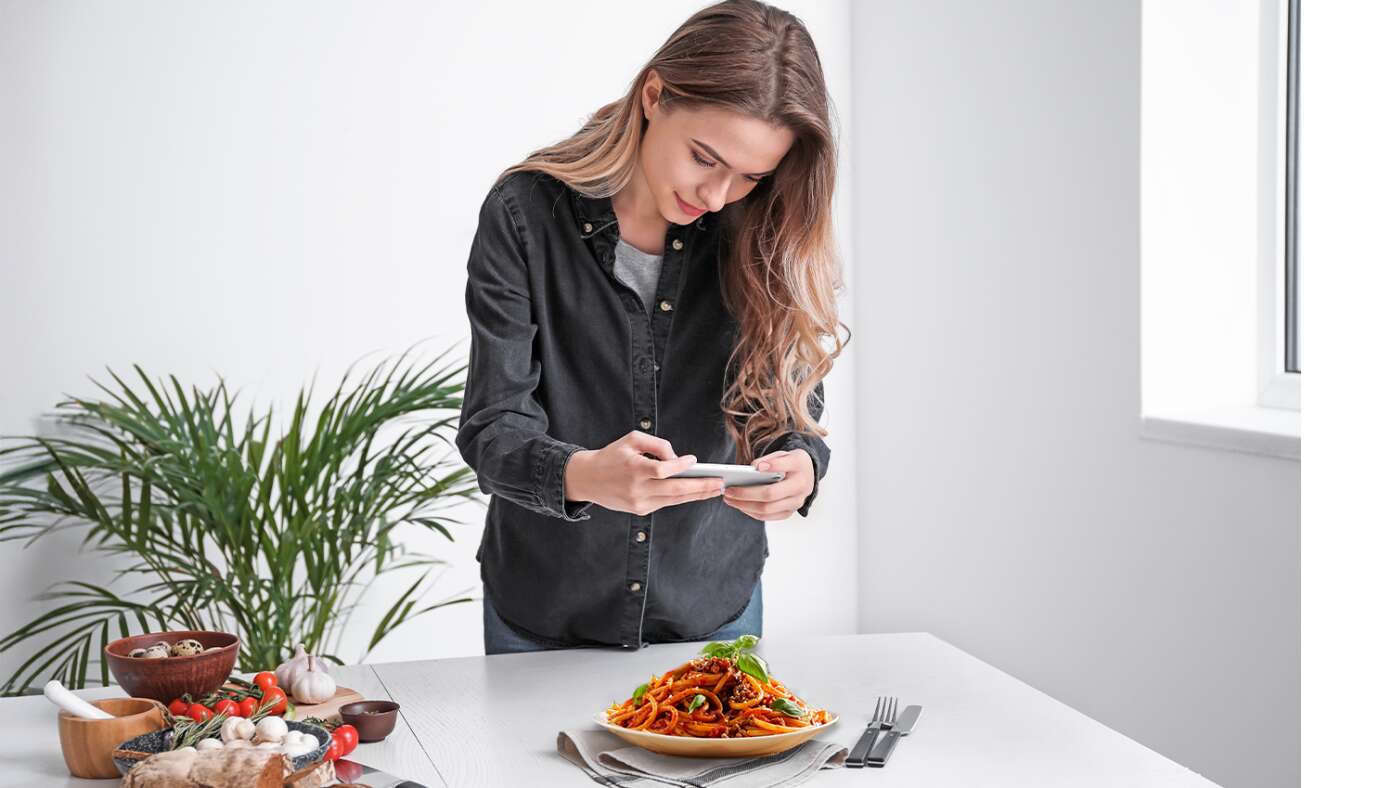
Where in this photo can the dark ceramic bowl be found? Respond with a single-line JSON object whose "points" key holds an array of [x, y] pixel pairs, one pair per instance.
{"points": [[157, 742], [168, 678], [374, 719]]}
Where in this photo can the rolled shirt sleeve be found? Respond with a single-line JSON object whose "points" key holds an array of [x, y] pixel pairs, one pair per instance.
{"points": [[503, 429]]}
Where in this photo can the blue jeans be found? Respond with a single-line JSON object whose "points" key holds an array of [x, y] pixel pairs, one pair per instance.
{"points": [[499, 638]]}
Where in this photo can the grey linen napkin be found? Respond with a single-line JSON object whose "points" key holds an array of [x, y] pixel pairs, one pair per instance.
{"points": [[608, 760]]}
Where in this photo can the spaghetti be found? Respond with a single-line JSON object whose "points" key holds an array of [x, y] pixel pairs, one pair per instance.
{"points": [[711, 697]]}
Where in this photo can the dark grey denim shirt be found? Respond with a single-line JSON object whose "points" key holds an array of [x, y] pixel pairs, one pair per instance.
{"points": [[565, 357]]}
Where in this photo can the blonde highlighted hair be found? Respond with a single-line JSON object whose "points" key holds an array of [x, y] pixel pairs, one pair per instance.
{"points": [[781, 275]]}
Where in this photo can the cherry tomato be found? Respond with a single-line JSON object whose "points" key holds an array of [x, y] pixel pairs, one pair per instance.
{"points": [[347, 738], [199, 712], [227, 706], [247, 707], [335, 751], [275, 698], [179, 707], [265, 680]]}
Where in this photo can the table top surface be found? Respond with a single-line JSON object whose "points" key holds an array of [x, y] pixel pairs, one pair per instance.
{"points": [[494, 720]]}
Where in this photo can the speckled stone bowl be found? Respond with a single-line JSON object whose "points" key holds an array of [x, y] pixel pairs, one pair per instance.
{"points": [[155, 742]]}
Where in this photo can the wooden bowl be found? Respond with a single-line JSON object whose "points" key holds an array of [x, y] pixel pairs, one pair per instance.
{"points": [[87, 744], [374, 719], [168, 678]]}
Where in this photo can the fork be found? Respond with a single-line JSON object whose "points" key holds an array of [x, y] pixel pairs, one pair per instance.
{"points": [[886, 709]]}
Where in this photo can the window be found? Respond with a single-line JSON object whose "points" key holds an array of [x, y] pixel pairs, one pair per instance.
{"points": [[1292, 229], [1220, 323]]}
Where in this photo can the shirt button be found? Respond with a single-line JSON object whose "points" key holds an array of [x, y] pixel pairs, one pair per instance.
{"points": [[588, 227], [635, 586], [645, 424], [665, 306], [677, 244], [641, 536]]}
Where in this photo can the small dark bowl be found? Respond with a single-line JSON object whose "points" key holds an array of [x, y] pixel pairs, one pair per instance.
{"points": [[155, 742], [374, 719], [168, 678]]}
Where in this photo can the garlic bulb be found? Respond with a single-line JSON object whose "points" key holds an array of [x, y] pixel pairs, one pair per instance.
{"points": [[290, 669], [313, 686]]}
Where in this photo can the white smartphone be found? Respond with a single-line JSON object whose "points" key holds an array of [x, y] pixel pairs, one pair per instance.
{"points": [[734, 475]]}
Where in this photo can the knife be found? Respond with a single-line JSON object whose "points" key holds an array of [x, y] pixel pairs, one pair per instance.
{"points": [[361, 774], [902, 727]]}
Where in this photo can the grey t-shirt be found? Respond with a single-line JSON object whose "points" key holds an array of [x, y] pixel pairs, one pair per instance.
{"points": [[638, 269]]}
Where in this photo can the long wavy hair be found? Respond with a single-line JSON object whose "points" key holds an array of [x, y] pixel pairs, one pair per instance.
{"points": [[781, 274]]}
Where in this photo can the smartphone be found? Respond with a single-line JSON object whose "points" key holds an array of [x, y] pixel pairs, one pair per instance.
{"points": [[734, 475]]}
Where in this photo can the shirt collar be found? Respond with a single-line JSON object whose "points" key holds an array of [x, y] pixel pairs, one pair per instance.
{"points": [[598, 213]]}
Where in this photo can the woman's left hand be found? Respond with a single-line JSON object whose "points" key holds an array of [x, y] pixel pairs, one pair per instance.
{"points": [[781, 499]]}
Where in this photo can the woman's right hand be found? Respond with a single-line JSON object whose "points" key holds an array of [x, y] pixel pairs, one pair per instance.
{"points": [[621, 476]]}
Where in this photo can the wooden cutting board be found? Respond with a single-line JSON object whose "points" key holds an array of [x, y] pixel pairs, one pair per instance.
{"points": [[328, 710]]}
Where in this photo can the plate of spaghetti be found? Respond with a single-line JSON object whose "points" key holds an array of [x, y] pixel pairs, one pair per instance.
{"points": [[721, 704]]}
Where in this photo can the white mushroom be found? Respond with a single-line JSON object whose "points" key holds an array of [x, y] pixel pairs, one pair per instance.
{"points": [[271, 729], [237, 729], [208, 744]]}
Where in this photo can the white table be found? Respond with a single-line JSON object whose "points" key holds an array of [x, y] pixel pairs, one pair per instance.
{"points": [[493, 720]]}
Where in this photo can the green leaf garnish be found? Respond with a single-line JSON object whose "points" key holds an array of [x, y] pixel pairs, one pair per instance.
{"points": [[719, 648], [753, 665], [785, 706], [639, 693], [697, 701], [746, 642]]}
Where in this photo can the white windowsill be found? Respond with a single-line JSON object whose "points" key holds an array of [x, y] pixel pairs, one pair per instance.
{"points": [[1274, 432]]}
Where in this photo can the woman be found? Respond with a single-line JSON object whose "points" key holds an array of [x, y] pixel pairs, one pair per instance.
{"points": [[663, 280]]}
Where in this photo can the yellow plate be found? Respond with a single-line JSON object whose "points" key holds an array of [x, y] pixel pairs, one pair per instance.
{"points": [[698, 747]]}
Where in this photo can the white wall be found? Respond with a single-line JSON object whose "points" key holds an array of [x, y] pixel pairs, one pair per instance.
{"points": [[1006, 501], [262, 190]]}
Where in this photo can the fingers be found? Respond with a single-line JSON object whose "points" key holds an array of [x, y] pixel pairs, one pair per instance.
{"points": [[765, 492], [776, 510], [770, 462], [663, 501], [643, 442], [662, 469], [678, 488]]}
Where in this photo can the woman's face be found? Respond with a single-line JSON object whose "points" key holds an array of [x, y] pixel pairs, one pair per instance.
{"points": [[702, 160]]}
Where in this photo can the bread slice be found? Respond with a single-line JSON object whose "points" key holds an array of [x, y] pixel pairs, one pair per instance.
{"points": [[186, 768]]}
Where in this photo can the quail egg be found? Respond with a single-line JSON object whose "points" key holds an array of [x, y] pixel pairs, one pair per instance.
{"points": [[187, 648]]}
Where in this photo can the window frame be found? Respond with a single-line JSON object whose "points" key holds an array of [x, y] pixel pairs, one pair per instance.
{"points": [[1278, 281]]}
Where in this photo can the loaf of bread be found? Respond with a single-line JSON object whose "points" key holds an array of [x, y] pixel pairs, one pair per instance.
{"points": [[188, 768]]}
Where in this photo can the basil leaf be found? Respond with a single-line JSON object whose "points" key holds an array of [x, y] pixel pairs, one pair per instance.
{"points": [[753, 665], [639, 693], [785, 706], [719, 649], [696, 702], [746, 642]]}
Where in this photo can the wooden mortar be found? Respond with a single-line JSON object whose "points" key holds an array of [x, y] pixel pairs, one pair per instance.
{"points": [[87, 744]]}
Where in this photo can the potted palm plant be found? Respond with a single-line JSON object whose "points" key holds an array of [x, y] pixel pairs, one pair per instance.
{"points": [[216, 519]]}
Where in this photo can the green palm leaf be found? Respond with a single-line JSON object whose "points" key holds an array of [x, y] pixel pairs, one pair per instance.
{"points": [[222, 522]]}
